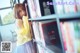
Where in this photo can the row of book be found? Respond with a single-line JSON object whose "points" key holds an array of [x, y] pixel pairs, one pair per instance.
{"points": [[71, 36], [46, 33], [38, 8]]}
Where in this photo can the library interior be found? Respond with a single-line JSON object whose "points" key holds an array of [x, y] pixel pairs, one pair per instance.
{"points": [[24, 26]]}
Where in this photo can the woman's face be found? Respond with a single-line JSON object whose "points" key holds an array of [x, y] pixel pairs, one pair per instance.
{"points": [[22, 13]]}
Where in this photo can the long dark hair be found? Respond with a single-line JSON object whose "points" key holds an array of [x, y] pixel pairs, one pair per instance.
{"points": [[17, 8]]}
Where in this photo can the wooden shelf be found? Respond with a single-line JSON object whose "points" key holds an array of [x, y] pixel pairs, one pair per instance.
{"points": [[54, 16]]}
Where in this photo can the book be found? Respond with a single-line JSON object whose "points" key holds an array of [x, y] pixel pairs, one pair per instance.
{"points": [[59, 9], [36, 34], [46, 9], [70, 6], [37, 6], [69, 37], [70, 34], [49, 33], [32, 8], [63, 36], [77, 36], [78, 5]]}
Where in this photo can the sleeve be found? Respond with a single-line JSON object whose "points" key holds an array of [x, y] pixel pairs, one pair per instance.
{"points": [[26, 24], [20, 30]]}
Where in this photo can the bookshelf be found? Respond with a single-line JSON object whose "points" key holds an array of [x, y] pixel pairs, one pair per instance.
{"points": [[61, 14], [55, 16], [58, 18]]}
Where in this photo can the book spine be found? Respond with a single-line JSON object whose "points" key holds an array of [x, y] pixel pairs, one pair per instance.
{"points": [[63, 36], [41, 33], [78, 5], [72, 34], [45, 8], [37, 5], [36, 34], [32, 8], [69, 6], [70, 47], [59, 6], [77, 37]]}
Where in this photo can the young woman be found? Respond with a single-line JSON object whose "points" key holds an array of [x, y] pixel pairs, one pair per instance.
{"points": [[24, 36]]}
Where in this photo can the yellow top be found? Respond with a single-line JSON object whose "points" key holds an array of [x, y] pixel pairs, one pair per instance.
{"points": [[23, 31]]}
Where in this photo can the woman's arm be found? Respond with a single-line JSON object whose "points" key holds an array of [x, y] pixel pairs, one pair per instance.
{"points": [[26, 24]]}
